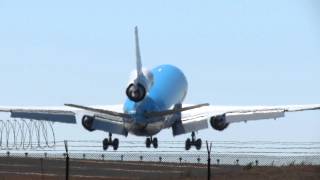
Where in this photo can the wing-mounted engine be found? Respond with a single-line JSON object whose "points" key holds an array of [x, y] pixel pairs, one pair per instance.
{"points": [[109, 124], [219, 122], [87, 122]]}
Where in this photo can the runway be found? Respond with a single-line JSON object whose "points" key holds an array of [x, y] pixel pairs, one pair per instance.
{"points": [[88, 169], [36, 168]]}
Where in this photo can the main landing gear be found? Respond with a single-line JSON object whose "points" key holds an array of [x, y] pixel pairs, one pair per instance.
{"points": [[109, 142], [153, 141], [193, 142]]}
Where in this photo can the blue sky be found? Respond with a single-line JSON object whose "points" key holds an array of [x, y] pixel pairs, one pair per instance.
{"points": [[232, 52]]}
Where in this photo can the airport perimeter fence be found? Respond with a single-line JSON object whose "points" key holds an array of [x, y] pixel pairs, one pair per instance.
{"points": [[169, 156], [223, 152]]}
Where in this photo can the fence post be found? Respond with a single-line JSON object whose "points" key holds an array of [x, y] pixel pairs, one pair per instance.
{"points": [[67, 160], [272, 163], [209, 159], [41, 164], [198, 159]]}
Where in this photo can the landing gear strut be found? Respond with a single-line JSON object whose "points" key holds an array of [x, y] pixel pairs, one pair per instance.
{"points": [[153, 141], [109, 142], [193, 142]]}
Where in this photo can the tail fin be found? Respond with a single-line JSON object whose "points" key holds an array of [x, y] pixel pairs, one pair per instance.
{"points": [[138, 56]]}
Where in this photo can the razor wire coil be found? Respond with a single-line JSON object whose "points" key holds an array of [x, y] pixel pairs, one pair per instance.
{"points": [[26, 134]]}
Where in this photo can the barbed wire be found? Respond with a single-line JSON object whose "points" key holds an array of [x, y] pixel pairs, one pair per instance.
{"points": [[26, 134]]}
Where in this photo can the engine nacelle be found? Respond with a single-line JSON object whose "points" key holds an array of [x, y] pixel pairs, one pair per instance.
{"points": [[219, 122], [135, 92], [139, 86], [87, 122]]}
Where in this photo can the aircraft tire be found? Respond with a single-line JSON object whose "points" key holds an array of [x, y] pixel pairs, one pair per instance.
{"points": [[105, 144], [155, 143], [198, 144], [148, 142], [115, 144], [188, 144]]}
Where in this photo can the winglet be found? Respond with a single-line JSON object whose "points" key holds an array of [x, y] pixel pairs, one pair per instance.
{"points": [[138, 56]]}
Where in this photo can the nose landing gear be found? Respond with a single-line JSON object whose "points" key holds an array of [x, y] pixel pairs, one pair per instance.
{"points": [[193, 142], [153, 141], [109, 142]]}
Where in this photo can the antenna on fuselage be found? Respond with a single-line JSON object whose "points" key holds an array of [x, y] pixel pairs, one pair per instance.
{"points": [[138, 56]]}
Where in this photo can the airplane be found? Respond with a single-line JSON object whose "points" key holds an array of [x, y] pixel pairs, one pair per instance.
{"points": [[154, 102]]}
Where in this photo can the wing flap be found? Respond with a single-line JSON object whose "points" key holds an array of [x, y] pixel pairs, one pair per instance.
{"points": [[54, 116], [250, 116], [104, 124], [247, 113], [190, 124]]}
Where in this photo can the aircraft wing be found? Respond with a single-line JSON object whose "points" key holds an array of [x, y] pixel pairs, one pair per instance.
{"points": [[62, 114], [221, 116], [54, 114], [235, 114]]}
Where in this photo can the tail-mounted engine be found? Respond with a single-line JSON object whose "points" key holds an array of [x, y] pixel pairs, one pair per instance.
{"points": [[219, 122], [136, 92], [141, 79], [139, 85]]}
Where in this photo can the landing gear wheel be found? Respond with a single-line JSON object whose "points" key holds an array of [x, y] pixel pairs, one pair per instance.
{"points": [[109, 142], [198, 144], [193, 142], [105, 144], [148, 142], [188, 144], [115, 144], [155, 143]]}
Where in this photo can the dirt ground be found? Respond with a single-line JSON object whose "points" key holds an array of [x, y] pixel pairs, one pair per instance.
{"points": [[49, 169]]}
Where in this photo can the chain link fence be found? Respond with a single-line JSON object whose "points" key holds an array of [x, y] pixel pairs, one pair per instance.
{"points": [[170, 161]]}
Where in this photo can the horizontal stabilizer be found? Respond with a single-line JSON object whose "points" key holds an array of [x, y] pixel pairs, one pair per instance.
{"points": [[102, 111], [173, 111], [147, 114]]}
